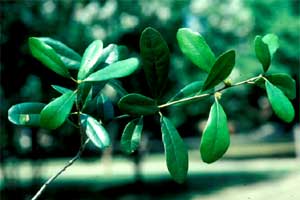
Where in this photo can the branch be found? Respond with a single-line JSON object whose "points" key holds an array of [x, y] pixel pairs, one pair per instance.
{"points": [[50, 180], [200, 96]]}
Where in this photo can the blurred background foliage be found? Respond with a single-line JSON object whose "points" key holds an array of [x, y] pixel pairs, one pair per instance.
{"points": [[225, 24]]}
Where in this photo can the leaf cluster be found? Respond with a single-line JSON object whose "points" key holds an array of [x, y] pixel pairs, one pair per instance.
{"points": [[101, 65]]}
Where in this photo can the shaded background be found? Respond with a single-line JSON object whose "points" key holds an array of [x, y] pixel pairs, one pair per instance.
{"points": [[29, 156]]}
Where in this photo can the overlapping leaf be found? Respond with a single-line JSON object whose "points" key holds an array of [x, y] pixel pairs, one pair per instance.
{"points": [[194, 46], [56, 112], [68, 56], [175, 151], [272, 41], [189, 90], [220, 70], [27, 114], [137, 104], [116, 70], [60, 89], [215, 138], [262, 52], [131, 136], [281, 105], [155, 60], [95, 131], [90, 59], [283, 81], [47, 55]]}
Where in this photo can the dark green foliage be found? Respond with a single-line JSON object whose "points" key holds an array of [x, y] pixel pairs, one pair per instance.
{"points": [[99, 67], [155, 59]]}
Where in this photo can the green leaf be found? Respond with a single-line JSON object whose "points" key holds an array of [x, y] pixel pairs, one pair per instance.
{"points": [[90, 59], [95, 131], [27, 114], [116, 70], [68, 56], [60, 89], [189, 90], [155, 56], [175, 151], [117, 53], [281, 105], [262, 52], [272, 41], [56, 112], [47, 55], [194, 46], [131, 136], [215, 139], [283, 81], [137, 104], [105, 107], [118, 87], [220, 70]]}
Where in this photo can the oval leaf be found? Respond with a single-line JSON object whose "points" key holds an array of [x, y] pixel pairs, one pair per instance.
{"points": [[175, 151], [215, 139], [220, 70], [281, 105], [283, 81], [155, 59], [116, 70], [189, 90], [194, 46], [27, 114], [137, 104], [68, 56], [47, 55], [262, 52], [95, 131], [90, 59], [56, 112], [272, 41], [131, 136]]}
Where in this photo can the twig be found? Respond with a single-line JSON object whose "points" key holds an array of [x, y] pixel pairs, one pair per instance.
{"points": [[200, 96], [50, 180]]}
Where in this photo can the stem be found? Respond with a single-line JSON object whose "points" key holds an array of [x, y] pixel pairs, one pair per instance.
{"points": [[50, 180], [200, 96]]}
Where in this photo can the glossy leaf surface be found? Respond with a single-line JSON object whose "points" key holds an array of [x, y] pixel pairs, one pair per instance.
{"points": [[137, 104], [175, 151], [56, 112], [220, 70], [47, 55], [90, 59], [194, 46], [60, 89], [155, 59], [68, 56], [215, 138], [95, 131], [189, 90], [131, 136], [116, 70], [27, 114], [281, 105], [262, 52]]}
